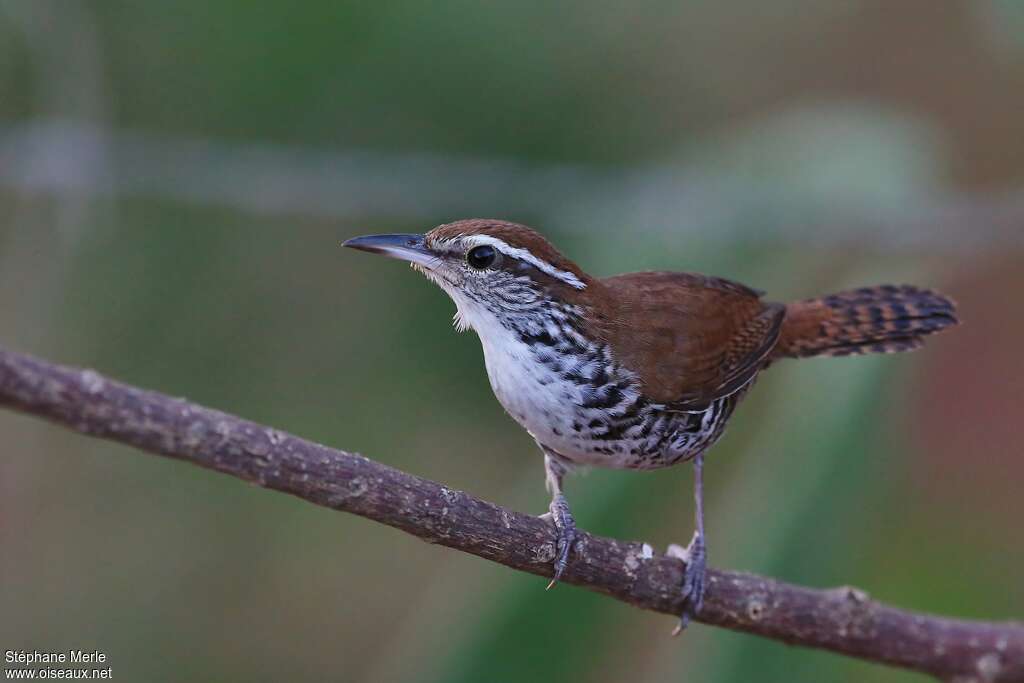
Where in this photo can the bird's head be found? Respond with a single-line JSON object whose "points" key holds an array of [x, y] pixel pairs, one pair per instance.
{"points": [[494, 271]]}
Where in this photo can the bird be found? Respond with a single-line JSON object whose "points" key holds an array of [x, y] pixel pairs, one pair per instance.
{"points": [[636, 371]]}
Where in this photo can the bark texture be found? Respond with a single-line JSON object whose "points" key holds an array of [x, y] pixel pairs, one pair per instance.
{"points": [[843, 620]]}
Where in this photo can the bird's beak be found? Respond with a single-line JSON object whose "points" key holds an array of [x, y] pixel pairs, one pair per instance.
{"points": [[410, 248]]}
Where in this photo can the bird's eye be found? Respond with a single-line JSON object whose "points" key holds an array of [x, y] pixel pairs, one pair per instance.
{"points": [[482, 257]]}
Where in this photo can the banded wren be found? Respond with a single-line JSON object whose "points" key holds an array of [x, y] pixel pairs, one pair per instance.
{"points": [[636, 371]]}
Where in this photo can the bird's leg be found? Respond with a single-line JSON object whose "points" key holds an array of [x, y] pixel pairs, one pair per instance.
{"points": [[558, 512], [694, 555]]}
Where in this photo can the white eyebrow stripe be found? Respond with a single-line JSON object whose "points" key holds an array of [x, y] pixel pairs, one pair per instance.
{"points": [[524, 255]]}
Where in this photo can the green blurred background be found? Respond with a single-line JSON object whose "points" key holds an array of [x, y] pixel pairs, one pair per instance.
{"points": [[175, 179]]}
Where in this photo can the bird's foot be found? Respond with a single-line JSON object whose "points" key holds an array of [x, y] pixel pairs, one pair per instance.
{"points": [[565, 530], [695, 557]]}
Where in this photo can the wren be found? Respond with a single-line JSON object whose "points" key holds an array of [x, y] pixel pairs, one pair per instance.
{"points": [[636, 371]]}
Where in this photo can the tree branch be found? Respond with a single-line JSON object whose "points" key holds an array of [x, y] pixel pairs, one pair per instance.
{"points": [[843, 620]]}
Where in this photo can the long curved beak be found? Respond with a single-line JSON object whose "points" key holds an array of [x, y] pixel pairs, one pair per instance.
{"points": [[408, 247]]}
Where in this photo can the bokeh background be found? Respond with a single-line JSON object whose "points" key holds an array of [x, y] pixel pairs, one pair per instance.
{"points": [[175, 179]]}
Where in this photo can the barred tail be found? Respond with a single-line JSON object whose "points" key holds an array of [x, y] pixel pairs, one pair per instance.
{"points": [[883, 319]]}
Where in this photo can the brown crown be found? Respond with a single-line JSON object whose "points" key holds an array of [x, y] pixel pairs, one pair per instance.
{"points": [[513, 234]]}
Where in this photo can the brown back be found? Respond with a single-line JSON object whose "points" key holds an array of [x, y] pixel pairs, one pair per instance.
{"points": [[691, 338]]}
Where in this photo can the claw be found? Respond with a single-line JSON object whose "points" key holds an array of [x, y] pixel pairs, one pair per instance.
{"points": [[565, 529], [695, 557]]}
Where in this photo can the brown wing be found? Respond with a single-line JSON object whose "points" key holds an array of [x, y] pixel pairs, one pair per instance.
{"points": [[691, 338]]}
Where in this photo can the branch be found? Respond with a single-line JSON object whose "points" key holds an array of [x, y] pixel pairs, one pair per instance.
{"points": [[843, 620]]}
